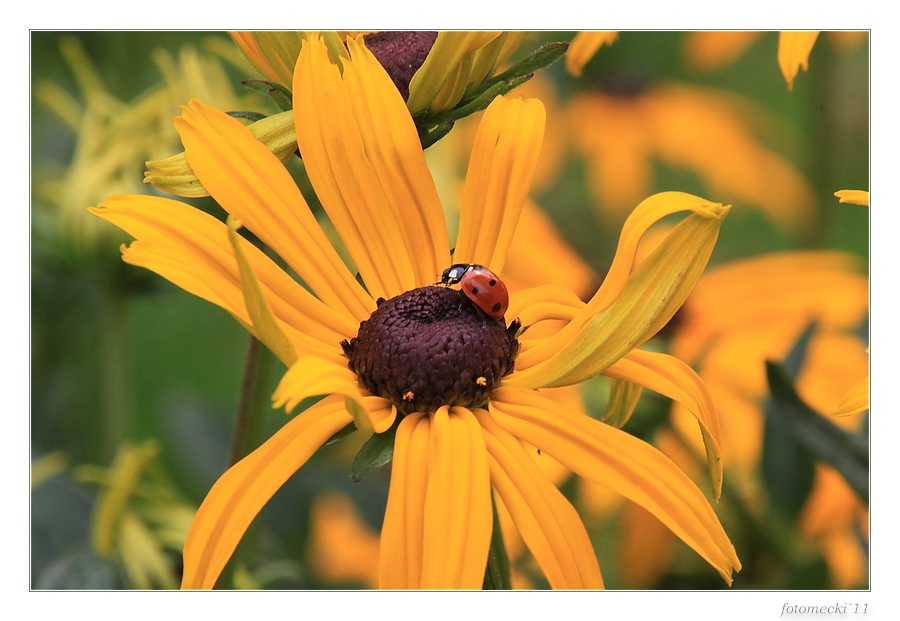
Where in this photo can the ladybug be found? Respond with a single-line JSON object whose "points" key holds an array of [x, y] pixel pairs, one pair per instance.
{"points": [[480, 285]]}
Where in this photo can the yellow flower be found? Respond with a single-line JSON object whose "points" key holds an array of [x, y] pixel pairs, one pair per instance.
{"points": [[463, 430], [745, 312], [705, 131]]}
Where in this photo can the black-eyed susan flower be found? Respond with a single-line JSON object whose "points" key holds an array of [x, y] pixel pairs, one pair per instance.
{"points": [[461, 390]]}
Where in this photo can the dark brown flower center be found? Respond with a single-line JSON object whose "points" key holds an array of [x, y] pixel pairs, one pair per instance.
{"points": [[401, 53], [429, 347]]}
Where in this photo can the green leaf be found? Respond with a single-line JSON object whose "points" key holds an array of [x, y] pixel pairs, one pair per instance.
{"points": [[274, 91], [244, 114], [375, 453], [788, 468], [845, 452]]}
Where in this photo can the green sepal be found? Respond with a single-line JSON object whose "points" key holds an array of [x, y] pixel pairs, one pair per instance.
{"points": [[847, 453], [375, 453], [274, 91], [496, 573], [433, 128], [542, 57], [342, 433], [253, 117]]}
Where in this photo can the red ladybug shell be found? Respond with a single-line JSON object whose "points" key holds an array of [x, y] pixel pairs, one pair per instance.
{"points": [[483, 287]]}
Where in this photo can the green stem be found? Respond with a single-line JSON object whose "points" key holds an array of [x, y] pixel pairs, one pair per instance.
{"points": [[496, 574], [254, 402], [115, 411], [247, 435]]}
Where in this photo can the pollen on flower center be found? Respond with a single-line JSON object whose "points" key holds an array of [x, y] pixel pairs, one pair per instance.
{"points": [[429, 347]]}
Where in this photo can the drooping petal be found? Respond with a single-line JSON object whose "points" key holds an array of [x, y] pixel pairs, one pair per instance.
{"points": [[339, 162], [400, 561], [241, 492], [458, 520], [192, 250], [311, 376], [547, 522], [673, 378], [254, 187], [498, 180], [583, 47], [794, 47], [263, 322], [616, 460], [543, 302], [630, 307]]}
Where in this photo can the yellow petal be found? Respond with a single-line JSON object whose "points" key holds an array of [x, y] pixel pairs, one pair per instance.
{"points": [[254, 187], [265, 326], [400, 561], [191, 249], [673, 378], [311, 376], [855, 401], [855, 197], [602, 333], [241, 492], [272, 52], [542, 303], [547, 522], [504, 156], [583, 47], [618, 461], [794, 47], [458, 513], [339, 166], [175, 176], [623, 399], [392, 146], [437, 76]]}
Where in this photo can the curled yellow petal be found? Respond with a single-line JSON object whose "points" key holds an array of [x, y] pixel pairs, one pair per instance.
{"points": [[794, 47], [595, 339], [246, 487]]}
